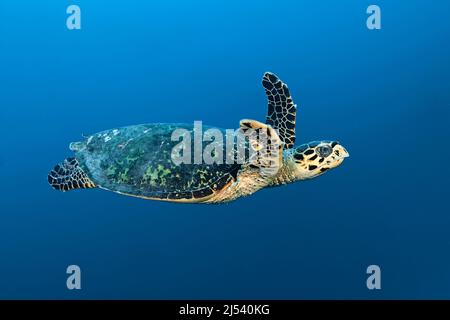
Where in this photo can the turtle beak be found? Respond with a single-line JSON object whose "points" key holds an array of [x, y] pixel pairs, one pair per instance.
{"points": [[344, 153]]}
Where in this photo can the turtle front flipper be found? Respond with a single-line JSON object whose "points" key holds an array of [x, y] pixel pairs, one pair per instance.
{"points": [[282, 111], [266, 151], [68, 175]]}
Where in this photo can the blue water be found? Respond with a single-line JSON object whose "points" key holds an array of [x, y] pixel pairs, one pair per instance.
{"points": [[384, 94]]}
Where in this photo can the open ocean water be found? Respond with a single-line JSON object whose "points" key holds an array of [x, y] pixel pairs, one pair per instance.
{"points": [[384, 94]]}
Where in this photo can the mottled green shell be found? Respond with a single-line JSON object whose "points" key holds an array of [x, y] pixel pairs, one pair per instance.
{"points": [[137, 160]]}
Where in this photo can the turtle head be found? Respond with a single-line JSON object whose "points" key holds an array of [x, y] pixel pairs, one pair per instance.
{"points": [[317, 157]]}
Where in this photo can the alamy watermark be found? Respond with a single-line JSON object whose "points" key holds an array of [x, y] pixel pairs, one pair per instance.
{"points": [[259, 146], [373, 22], [73, 21], [74, 280], [374, 280]]}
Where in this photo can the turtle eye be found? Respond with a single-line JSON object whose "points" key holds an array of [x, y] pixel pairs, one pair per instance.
{"points": [[324, 151]]}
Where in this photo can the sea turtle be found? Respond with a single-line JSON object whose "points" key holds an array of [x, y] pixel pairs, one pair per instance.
{"points": [[138, 160]]}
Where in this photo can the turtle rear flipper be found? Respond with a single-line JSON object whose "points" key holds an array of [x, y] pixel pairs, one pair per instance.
{"points": [[68, 175]]}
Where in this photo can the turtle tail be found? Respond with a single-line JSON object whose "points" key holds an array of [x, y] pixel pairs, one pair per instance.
{"points": [[68, 175]]}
